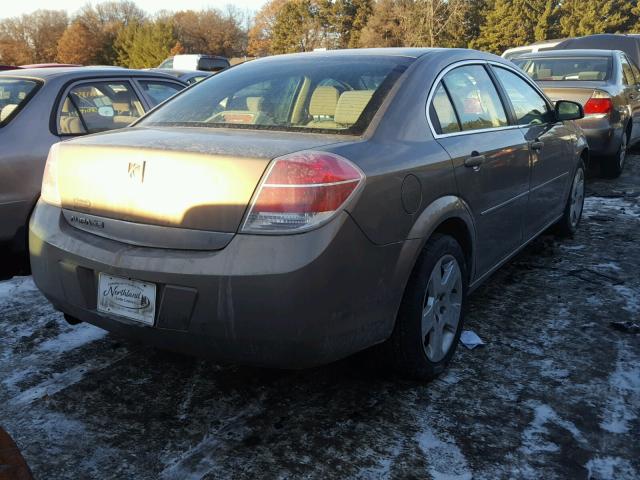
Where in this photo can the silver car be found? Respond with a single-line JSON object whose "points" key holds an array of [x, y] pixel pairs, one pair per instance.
{"points": [[607, 84], [40, 107]]}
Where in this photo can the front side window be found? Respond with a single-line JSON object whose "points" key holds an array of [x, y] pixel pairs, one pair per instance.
{"points": [[14, 95], [530, 108], [475, 98], [157, 92], [566, 68], [445, 116], [97, 107], [336, 94]]}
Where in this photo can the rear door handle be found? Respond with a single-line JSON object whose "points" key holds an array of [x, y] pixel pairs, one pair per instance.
{"points": [[537, 146], [474, 161]]}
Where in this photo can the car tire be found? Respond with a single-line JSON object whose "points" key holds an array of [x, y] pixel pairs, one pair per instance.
{"points": [[431, 314], [612, 166], [572, 215]]}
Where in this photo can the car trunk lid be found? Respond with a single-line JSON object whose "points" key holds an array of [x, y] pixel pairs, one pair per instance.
{"points": [[195, 179], [579, 91]]}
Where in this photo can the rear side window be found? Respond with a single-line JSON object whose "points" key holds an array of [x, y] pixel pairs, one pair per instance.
{"points": [[529, 107], [168, 63], [157, 92], [14, 95], [97, 107], [475, 98], [443, 113]]}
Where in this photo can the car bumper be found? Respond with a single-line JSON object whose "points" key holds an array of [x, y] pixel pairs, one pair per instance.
{"points": [[289, 301], [603, 136]]}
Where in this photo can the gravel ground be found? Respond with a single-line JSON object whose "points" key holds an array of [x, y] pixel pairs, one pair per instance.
{"points": [[554, 393]]}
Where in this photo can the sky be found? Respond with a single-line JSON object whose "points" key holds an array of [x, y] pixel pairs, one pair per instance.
{"points": [[15, 8]]}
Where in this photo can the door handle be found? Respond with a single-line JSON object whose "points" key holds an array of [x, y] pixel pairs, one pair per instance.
{"points": [[474, 161], [537, 146]]}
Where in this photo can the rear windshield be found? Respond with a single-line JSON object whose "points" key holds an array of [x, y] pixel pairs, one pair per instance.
{"points": [[14, 94], [566, 68], [336, 95]]}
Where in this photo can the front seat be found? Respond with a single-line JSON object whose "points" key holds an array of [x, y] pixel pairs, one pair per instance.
{"points": [[322, 107]]}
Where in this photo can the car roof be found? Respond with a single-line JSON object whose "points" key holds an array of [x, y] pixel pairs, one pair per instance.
{"points": [[570, 53], [180, 73], [72, 73], [379, 52]]}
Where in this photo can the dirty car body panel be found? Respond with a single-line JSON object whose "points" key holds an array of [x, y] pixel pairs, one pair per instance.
{"points": [[305, 296]]}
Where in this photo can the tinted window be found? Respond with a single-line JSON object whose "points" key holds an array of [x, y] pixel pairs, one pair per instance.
{"points": [[340, 94], [475, 98], [530, 108], [636, 72], [99, 106], [445, 115], [627, 74], [158, 92], [212, 64], [14, 95], [566, 68]]}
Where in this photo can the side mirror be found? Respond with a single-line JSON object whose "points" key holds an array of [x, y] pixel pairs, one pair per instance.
{"points": [[567, 110]]}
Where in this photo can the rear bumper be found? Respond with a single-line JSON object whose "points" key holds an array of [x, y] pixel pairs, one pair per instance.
{"points": [[279, 301], [603, 136]]}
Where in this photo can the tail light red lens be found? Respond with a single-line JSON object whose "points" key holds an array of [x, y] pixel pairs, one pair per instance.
{"points": [[301, 191], [599, 103]]}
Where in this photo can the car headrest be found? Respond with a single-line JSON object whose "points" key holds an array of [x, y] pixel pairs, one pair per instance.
{"points": [[350, 106], [254, 103], [543, 73], [324, 101], [589, 76], [6, 111]]}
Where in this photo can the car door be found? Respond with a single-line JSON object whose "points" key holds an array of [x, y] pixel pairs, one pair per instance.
{"points": [[96, 106], [631, 76], [490, 158], [550, 145]]}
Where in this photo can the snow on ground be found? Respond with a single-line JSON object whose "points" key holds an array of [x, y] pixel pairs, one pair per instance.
{"points": [[554, 393]]}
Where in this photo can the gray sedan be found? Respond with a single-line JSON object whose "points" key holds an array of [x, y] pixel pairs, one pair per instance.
{"points": [[607, 84], [39, 107], [296, 209]]}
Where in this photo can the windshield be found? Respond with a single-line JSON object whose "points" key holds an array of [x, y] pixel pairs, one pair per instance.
{"points": [[14, 94], [336, 95], [566, 68]]}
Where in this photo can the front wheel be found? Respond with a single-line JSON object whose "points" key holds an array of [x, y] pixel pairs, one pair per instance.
{"points": [[431, 315], [570, 220]]}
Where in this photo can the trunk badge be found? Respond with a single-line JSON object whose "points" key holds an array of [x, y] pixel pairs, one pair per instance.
{"points": [[136, 171]]}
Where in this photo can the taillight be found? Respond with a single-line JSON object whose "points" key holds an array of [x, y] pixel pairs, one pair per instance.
{"points": [[50, 192], [301, 191], [599, 103]]}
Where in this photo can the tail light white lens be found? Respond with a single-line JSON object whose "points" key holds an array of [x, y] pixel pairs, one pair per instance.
{"points": [[50, 192], [599, 104], [301, 191]]}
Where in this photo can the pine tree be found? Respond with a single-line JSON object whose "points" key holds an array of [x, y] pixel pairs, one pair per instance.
{"points": [[578, 18]]}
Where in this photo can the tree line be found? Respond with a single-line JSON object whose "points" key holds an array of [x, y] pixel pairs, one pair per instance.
{"points": [[120, 33]]}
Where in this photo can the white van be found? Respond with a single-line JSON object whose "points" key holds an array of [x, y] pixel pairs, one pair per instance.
{"points": [[206, 63], [540, 46]]}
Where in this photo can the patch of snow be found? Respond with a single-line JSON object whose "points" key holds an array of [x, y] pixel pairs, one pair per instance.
{"points": [[618, 206], [80, 335], [533, 440], [630, 296], [624, 390], [446, 461], [607, 468]]}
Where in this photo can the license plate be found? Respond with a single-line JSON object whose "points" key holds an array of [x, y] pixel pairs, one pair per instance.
{"points": [[127, 298]]}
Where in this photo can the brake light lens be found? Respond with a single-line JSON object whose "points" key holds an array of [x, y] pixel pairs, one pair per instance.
{"points": [[301, 191], [600, 103], [50, 192]]}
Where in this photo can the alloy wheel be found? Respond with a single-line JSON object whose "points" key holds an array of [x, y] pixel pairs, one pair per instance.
{"points": [[577, 198], [442, 308]]}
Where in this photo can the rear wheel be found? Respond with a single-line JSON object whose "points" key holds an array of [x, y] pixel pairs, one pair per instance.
{"points": [[432, 312], [612, 166], [569, 222]]}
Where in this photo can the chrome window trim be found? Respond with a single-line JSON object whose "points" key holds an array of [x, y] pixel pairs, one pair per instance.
{"points": [[462, 63]]}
